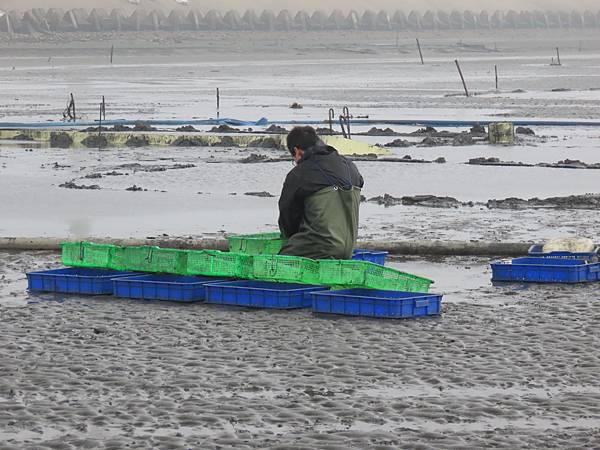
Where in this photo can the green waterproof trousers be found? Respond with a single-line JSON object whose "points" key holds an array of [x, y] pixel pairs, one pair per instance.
{"points": [[329, 227]]}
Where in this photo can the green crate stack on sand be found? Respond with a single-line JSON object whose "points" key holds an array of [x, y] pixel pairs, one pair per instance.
{"points": [[256, 244], [154, 259], [141, 259], [213, 263], [367, 275], [285, 269], [265, 267], [150, 259], [87, 254]]}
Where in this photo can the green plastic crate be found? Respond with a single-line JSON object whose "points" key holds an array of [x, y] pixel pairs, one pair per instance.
{"points": [[169, 260], [87, 254], [132, 258], [213, 263], [285, 269], [150, 259], [257, 244], [362, 274], [389, 279]]}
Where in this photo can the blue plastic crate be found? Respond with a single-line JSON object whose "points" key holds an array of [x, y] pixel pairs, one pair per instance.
{"points": [[261, 294], [75, 280], [545, 270], [370, 256], [172, 288], [538, 251], [373, 303]]}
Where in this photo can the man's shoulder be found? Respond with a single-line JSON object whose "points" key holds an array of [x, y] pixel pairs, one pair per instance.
{"points": [[294, 173]]}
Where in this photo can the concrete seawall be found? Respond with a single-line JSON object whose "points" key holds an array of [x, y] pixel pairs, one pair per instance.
{"points": [[56, 20]]}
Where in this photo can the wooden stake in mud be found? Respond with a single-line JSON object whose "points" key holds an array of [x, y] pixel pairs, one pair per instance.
{"points": [[112, 52], [102, 115], [420, 52], [72, 107], [558, 63], [496, 70], [218, 103], [100, 122], [347, 116], [462, 77]]}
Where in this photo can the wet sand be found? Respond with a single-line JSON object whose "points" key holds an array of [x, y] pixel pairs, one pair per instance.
{"points": [[503, 367]]}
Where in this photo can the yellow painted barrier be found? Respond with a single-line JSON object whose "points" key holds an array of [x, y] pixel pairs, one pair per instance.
{"points": [[117, 139]]}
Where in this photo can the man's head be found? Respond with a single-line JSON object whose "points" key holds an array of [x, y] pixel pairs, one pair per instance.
{"points": [[301, 139]]}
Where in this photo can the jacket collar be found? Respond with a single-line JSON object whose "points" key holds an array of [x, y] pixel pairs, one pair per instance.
{"points": [[320, 148]]}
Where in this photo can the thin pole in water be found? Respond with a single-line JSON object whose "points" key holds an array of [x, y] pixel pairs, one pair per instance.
{"points": [[462, 77], [496, 70], [558, 57], [112, 52], [420, 52], [346, 112], [331, 118], [73, 105], [218, 103]]}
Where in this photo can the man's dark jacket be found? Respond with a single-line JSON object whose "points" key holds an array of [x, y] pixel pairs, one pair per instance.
{"points": [[318, 208]]}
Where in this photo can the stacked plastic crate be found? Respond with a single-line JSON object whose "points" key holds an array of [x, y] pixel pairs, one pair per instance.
{"points": [[251, 274], [549, 267]]}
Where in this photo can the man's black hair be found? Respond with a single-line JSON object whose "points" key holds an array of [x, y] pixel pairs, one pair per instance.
{"points": [[302, 138]]}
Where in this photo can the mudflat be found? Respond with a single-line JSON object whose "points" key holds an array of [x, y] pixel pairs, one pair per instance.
{"points": [[504, 366]]}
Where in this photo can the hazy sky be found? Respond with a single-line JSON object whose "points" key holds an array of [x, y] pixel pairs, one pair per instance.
{"points": [[314, 4]]}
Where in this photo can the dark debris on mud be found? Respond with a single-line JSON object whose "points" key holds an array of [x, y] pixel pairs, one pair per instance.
{"points": [[255, 158], [389, 159], [136, 188], [587, 201], [137, 141], [430, 201], [73, 185], [60, 140], [188, 141], [276, 129], [224, 129], [433, 138], [565, 164], [186, 129], [483, 161], [262, 194], [137, 167], [95, 141], [525, 130], [142, 126]]}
